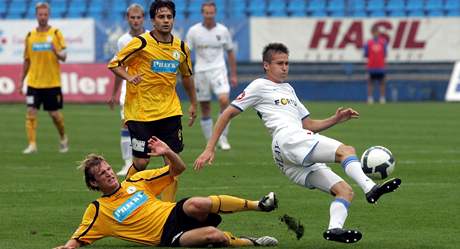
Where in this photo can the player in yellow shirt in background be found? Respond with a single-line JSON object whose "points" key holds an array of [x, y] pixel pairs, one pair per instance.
{"points": [[130, 210], [44, 48], [152, 107]]}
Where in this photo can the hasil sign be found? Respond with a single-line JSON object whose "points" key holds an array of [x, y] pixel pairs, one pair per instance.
{"points": [[81, 83], [409, 39]]}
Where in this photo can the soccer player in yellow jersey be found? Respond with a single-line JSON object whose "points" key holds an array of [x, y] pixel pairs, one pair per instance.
{"points": [[44, 48], [130, 210], [152, 107]]}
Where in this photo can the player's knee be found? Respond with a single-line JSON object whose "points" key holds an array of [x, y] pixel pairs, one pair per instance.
{"points": [[215, 236], [343, 190], [197, 207], [344, 151], [141, 163]]}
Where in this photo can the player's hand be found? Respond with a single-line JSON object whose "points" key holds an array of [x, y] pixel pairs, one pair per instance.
{"points": [[157, 147], [191, 115], [234, 81], [136, 79], [111, 102], [20, 91], [206, 157], [344, 114]]}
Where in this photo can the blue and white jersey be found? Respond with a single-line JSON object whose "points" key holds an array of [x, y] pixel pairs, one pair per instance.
{"points": [[276, 104]]}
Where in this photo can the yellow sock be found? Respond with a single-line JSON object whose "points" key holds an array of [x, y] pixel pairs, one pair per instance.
{"points": [[236, 242], [59, 123], [228, 204], [31, 128], [131, 171], [169, 193]]}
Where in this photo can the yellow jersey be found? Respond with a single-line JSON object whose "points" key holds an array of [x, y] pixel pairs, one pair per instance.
{"points": [[132, 213], [155, 97], [44, 70]]}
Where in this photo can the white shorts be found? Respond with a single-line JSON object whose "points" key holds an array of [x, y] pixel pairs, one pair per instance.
{"points": [[215, 80], [300, 153]]}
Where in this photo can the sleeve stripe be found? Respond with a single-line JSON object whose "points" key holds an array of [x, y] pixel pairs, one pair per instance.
{"points": [[182, 47], [149, 179], [96, 204], [237, 107], [144, 43], [306, 116]]}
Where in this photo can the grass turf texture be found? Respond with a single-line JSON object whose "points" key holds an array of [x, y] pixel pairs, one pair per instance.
{"points": [[43, 196]]}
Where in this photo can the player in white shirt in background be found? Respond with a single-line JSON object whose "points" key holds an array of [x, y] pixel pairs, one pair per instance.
{"points": [[298, 151], [210, 40], [135, 19]]}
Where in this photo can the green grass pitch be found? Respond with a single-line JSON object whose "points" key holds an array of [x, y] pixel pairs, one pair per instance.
{"points": [[43, 196]]}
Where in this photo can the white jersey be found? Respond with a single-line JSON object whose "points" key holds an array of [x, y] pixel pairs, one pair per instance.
{"points": [[121, 43], [209, 45], [276, 103]]}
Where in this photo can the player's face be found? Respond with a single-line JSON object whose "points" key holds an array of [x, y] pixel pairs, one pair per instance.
{"points": [[278, 69], [106, 179], [42, 15], [163, 21], [135, 19], [209, 13]]}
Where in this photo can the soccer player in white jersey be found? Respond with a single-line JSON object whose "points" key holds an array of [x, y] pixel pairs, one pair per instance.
{"points": [[298, 150], [135, 19], [210, 40]]}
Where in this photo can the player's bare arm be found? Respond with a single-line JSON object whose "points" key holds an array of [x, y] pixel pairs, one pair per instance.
{"points": [[232, 63], [208, 154], [25, 70], [61, 55], [159, 148], [121, 72], [71, 244], [116, 87], [341, 115], [189, 86]]}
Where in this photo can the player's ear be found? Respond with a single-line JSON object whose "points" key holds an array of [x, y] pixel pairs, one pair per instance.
{"points": [[265, 66], [94, 184]]}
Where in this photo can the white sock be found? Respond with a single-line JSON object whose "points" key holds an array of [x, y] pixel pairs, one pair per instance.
{"points": [[125, 144], [206, 127], [352, 167], [338, 213]]}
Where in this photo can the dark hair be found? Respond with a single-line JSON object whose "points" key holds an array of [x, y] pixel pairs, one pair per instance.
{"points": [[272, 48], [158, 4], [208, 3], [91, 161]]}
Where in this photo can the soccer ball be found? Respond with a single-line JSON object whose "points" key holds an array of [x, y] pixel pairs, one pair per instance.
{"points": [[377, 162]]}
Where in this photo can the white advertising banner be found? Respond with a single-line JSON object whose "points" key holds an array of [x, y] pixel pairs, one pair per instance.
{"points": [[79, 35], [335, 40], [453, 90]]}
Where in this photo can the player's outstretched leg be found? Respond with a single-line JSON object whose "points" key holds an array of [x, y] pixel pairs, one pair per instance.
{"points": [[262, 241], [378, 190], [342, 235], [269, 202]]}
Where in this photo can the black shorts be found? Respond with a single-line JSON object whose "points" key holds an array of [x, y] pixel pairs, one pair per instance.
{"points": [[376, 75], [50, 97], [169, 130], [178, 223]]}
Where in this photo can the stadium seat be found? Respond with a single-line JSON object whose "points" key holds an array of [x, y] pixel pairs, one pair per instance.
{"points": [[296, 7], [377, 13], [414, 5], [77, 9], [433, 5], [435, 12], [17, 9], [419, 12], [3, 8], [317, 5], [257, 8], [451, 6], [237, 8], [375, 6], [336, 7], [453, 12], [58, 8], [395, 8], [397, 13], [357, 8], [96, 8], [276, 8]]}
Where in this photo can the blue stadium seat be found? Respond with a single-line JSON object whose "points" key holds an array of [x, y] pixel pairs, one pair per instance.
{"points": [[317, 6], [194, 7], [396, 8], [377, 13], [451, 6], [237, 8], [276, 8], [433, 5], [414, 5], [336, 7], [3, 8], [453, 12], [435, 12], [357, 8], [96, 8], [257, 8], [416, 13], [375, 5], [296, 7], [77, 9], [17, 9], [58, 8]]}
